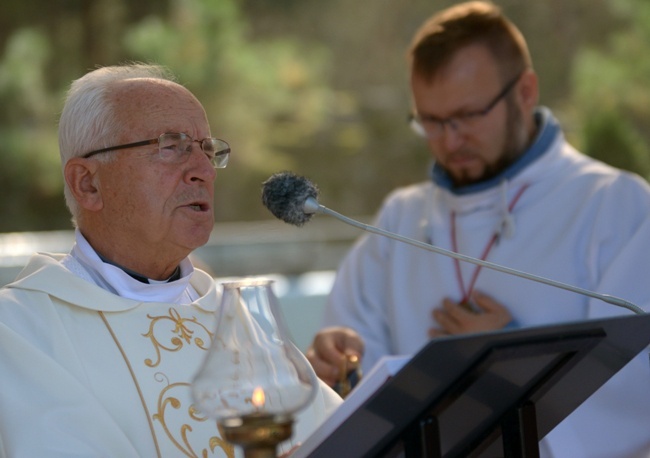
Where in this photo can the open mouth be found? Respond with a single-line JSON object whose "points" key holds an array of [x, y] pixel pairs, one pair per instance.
{"points": [[199, 207]]}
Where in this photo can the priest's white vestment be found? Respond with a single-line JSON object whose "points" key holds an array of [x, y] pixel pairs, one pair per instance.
{"points": [[85, 372]]}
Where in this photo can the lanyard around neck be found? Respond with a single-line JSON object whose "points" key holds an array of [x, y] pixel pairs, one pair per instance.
{"points": [[486, 251]]}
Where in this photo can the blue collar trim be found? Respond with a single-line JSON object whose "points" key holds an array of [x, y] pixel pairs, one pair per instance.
{"points": [[549, 129]]}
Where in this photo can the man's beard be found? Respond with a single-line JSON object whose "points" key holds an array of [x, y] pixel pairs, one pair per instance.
{"points": [[516, 141]]}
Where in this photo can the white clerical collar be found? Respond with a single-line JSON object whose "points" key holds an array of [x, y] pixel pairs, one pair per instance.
{"points": [[117, 281]]}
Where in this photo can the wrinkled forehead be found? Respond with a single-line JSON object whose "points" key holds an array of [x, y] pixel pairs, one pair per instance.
{"points": [[154, 104], [149, 94]]}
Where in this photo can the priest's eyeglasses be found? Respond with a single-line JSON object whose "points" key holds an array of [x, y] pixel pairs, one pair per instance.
{"points": [[176, 148], [432, 127]]}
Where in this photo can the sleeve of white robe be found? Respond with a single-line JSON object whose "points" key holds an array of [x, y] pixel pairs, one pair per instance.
{"points": [[359, 294], [621, 408]]}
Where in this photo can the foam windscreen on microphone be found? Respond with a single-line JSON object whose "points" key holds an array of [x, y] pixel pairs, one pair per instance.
{"points": [[285, 193]]}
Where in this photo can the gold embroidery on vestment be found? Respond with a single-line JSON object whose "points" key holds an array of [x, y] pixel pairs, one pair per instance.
{"points": [[182, 333], [166, 399], [135, 382]]}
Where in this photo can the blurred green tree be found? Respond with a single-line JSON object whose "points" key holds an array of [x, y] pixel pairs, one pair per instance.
{"points": [[611, 92], [316, 87], [263, 96], [28, 146]]}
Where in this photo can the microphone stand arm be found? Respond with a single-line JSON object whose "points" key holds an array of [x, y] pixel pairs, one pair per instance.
{"points": [[312, 206]]}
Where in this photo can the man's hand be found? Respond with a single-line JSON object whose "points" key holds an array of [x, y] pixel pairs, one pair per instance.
{"points": [[454, 318], [330, 348]]}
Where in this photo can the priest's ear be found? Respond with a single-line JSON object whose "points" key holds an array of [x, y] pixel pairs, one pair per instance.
{"points": [[83, 181]]}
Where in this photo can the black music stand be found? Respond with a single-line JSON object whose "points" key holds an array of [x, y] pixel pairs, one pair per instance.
{"points": [[458, 395]]}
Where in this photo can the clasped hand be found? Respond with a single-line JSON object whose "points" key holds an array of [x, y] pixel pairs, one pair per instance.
{"points": [[454, 318]]}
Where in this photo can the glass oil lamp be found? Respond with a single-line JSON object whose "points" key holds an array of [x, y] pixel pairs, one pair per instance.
{"points": [[253, 379]]}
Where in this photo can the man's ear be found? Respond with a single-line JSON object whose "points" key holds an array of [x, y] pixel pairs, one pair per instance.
{"points": [[81, 176], [528, 91]]}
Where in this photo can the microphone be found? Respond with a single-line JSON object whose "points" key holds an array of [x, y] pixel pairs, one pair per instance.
{"points": [[294, 199], [285, 193]]}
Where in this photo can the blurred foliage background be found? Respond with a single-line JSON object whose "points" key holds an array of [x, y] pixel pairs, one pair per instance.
{"points": [[318, 87]]}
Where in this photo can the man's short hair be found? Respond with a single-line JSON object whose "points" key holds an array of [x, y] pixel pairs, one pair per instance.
{"points": [[88, 120], [477, 22]]}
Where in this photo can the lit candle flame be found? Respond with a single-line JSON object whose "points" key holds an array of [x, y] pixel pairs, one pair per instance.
{"points": [[258, 397]]}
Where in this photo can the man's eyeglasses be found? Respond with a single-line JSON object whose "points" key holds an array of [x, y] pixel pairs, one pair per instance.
{"points": [[177, 147], [432, 127]]}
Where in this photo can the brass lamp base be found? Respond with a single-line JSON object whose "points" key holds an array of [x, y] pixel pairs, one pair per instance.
{"points": [[258, 434]]}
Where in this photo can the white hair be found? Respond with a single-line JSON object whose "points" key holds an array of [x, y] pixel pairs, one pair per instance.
{"points": [[88, 120]]}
